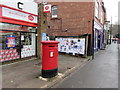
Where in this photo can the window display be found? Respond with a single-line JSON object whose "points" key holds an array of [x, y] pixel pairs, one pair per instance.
{"points": [[17, 42], [10, 46]]}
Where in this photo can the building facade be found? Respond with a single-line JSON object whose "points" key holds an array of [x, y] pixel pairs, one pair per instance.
{"points": [[76, 19], [107, 33], [18, 24], [99, 21]]}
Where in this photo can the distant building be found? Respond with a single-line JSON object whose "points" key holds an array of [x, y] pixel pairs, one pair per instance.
{"points": [[107, 32], [99, 21]]}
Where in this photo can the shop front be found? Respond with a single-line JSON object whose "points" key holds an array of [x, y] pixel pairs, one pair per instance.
{"points": [[98, 37], [17, 34]]}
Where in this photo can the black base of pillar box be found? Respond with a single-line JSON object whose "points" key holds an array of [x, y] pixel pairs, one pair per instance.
{"points": [[49, 73]]}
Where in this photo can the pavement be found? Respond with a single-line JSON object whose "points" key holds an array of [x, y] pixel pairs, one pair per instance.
{"points": [[119, 64], [102, 72], [26, 74]]}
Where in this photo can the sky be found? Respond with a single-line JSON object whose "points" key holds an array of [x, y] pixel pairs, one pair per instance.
{"points": [[112, 10]]}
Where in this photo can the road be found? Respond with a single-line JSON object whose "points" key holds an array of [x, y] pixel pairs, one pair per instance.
{"points": [[102, 72]]}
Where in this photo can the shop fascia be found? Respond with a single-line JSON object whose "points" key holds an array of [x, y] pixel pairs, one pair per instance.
{"points": [[23, 5]]}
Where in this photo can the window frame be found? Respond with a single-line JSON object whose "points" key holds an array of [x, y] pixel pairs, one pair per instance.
{"points": [[54, 15]]}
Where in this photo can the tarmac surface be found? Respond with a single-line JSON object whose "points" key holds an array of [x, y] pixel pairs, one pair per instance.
{"points": [[119, 66], [102, 72]]}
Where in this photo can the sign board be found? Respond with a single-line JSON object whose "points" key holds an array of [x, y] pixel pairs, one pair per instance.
{"points": [[24, 5], [6, 12], [47, 8]]}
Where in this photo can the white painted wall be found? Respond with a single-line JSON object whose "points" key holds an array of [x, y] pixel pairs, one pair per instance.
{"points": [[97, 26]]}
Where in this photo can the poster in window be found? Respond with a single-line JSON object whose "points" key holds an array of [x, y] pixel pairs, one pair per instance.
{"points": [[10, 42]]}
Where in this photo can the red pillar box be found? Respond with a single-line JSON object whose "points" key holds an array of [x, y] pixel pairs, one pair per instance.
{"points": [[49, 58]]}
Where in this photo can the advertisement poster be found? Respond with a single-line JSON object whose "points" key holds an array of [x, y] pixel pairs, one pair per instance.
{"points": [[71, 45], [11, 42]]}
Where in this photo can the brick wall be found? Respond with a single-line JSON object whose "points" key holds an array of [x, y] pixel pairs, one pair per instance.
{"points": [[74, 18]]}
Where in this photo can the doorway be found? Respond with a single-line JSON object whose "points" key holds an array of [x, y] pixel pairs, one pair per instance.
{"points": [[28, 44]]}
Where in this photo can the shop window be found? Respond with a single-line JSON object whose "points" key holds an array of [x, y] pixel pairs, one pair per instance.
{"points": [[9, 43], [16, 41]]}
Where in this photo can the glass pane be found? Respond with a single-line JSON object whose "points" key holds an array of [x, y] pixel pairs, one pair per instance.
{"points": [[9, 43]]}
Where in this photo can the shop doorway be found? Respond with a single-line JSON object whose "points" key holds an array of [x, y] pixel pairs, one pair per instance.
{"points": [[28, 44]]}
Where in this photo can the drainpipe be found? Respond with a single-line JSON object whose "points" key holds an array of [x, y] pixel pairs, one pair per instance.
{"points": [[93, 32]]}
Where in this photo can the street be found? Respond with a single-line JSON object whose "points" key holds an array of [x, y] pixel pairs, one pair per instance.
{"points": [[63, 44], [102, 72]]}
